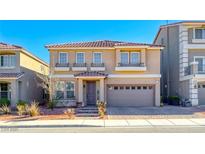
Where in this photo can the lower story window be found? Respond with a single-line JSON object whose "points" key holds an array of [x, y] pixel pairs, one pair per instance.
{"points": [[59, 94], [64, 90], [70, 90]]}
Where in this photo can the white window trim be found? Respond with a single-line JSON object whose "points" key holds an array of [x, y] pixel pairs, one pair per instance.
{"points": [[138, 56], [203, 57], [66, 57], [127, 57], [100, 57], [195, 40], [198, 57], [8, 62], [77, 58]]}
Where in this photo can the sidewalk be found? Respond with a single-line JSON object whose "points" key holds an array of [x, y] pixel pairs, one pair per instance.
{"points": [[105, 123]]}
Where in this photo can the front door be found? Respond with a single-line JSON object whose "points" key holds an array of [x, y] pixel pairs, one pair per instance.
{"points": [[91, 93]]}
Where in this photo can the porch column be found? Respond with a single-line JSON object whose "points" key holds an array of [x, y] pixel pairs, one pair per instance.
{"points": [[143, 56], [14, 93], [80, 91], [117, 56], [157, 93], [102, 90], [193, 92]]}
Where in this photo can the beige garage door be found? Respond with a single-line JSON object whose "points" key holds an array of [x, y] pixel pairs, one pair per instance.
{"points": [[201, 94], [130, 95]]}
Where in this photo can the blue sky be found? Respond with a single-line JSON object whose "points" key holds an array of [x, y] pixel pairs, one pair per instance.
{"points": [[33, 35]]}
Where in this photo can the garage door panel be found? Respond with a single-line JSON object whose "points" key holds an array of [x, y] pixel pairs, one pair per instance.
{"points": [[134, 96]]}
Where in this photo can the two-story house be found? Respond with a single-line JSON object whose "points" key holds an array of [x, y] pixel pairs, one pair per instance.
{"points": [[22, 75], [183, 60], [119, 73]]}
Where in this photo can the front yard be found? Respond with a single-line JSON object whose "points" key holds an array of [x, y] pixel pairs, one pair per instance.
{"points": [[114, 113]]}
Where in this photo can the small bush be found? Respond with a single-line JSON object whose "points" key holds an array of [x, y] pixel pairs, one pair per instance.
{"points": [[70, 113], [101, 109], [174, 100], [34, 109], [4, 102], [5, 109], [21, 102], [51, 104]]}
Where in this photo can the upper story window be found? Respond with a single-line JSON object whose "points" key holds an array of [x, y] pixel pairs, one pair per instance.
{"points": [[7, 60], [134, 58], [97, 57], [130, 57], [199, 33], [201, 63], [124, 57], [63, 57], [80, 57]]}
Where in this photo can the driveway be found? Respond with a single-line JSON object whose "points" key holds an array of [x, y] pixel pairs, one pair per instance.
{"points": [[156, 112]]}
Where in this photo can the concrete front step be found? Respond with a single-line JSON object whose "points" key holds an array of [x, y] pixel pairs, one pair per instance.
{"points": [[88, 111], [87, 114]]}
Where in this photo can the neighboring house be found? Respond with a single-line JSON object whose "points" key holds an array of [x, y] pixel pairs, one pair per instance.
{"points": [[183, 60], [119, 73], [23, 76]]}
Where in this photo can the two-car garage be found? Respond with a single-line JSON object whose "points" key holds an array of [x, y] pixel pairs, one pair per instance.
{"points": [[130, 95]]}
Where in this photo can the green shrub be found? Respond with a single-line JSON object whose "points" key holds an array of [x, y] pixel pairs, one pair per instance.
{"points": [[4, 102], [51, 104], [34, 109], [174, 100], [21, 102], [5, 109]]}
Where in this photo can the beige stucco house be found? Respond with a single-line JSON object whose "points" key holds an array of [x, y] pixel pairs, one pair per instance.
{"points": [[119, 73], [183, 60], [22, 75]]}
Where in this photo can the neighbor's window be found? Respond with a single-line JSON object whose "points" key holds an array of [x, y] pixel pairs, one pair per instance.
{"points": [[80, 57], [7, 60], [199, 33], [124, 57], [97, 57], [59, 90], [70, 90], [201, 63], [134, 57]]}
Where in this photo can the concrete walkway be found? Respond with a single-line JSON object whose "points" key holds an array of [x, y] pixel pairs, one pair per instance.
{"points": [[105, 123]]}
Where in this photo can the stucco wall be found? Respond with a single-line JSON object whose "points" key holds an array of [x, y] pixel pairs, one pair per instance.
{"points": [[169, 37], [109, 58], [32, 64], [195, 52], [32, 85]]}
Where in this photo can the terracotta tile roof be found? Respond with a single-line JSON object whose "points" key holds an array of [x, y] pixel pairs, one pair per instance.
{"points": [[103, 43], [89, 73], [8, 46], [10, 75]]}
